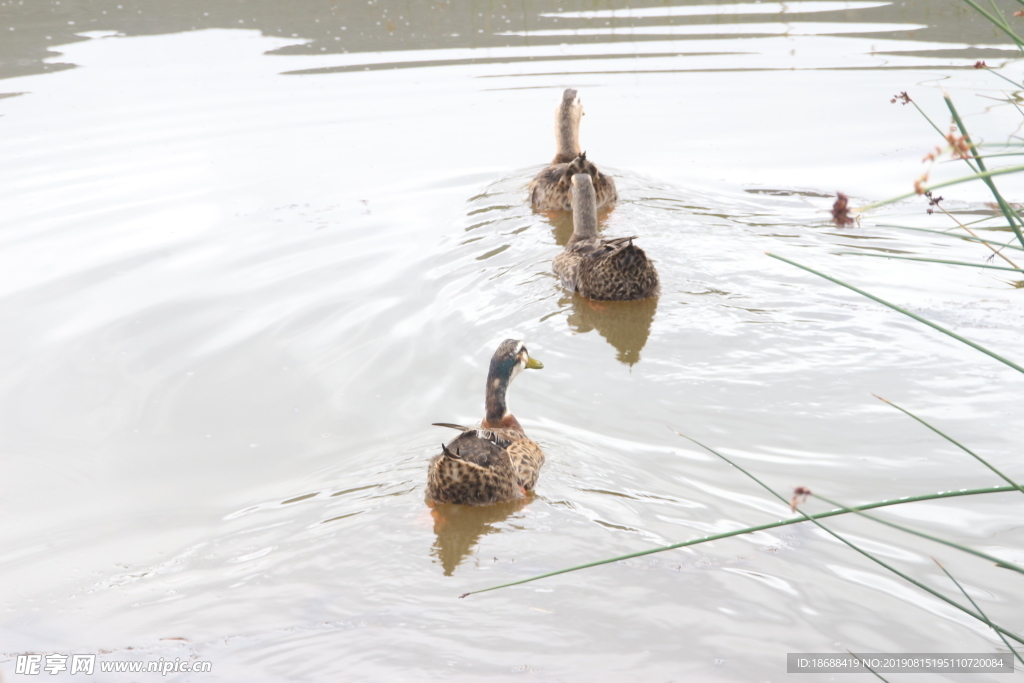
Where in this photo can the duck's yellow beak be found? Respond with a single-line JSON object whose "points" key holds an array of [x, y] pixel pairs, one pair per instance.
{"points": [[534, 364]]}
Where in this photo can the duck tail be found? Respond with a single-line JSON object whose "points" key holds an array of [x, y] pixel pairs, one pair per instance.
{"points": [[634, 270], [579, 165], [449, 454], [629, 257]]}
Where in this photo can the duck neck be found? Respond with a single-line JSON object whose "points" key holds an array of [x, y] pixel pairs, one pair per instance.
{"points": [[567, 134], [497, 415], [584, 213]]}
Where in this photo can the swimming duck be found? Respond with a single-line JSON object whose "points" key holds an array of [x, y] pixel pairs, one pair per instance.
{"points": [[550, 191], [606, 269], [494, 462]]}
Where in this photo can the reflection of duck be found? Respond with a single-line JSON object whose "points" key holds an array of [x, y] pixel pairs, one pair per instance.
{"points": [[605, 269], [626, 325], [459, 528], [550, 190], [495, 462]]}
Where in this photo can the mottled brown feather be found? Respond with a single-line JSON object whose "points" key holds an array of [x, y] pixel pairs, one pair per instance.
{"points": [[488, 464], [608, 269], [550, 190]]}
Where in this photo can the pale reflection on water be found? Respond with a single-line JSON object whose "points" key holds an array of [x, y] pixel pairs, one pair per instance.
{"points": [[459, 527], [250, 256], [626, 325]]}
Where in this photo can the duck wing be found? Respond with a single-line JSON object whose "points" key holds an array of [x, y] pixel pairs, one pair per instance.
{"points": [[617, 270], [476, 445], [479, 432]]}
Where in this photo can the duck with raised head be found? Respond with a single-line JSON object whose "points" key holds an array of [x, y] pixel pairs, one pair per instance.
{"points": [[550, 190], [494, 462], [612, 269]]}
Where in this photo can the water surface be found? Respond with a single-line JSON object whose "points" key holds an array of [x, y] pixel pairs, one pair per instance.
{"points": [[247, 260]]}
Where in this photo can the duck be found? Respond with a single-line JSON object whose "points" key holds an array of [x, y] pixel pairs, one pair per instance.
{"points": [[603, 269], [550, 191], [495, 462]]}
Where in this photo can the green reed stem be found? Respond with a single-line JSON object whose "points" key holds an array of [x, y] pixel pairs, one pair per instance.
{"points": [[984, 616], [950, 233], [1002, 26], [971, 236], [947, 183], [1001, 154], [926, 260], [971, 551], [953, 441], [998, 13], [1004, 206], [853, 546], [750, 530], [905, 312], [927, 118], [937, 130]]}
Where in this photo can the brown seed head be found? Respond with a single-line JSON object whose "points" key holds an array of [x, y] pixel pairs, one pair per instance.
{"points": [[800, 495], [919, 184], [841, 210], [959, 144]]}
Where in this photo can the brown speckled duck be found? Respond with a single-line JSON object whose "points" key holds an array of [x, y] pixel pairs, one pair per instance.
{"points": [[605, 269], [550, 190], [495, 462]]}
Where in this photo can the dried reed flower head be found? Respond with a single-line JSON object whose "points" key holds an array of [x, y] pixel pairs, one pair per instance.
{"points": [[800, 495], [902, 97], [960, 145], [841, 211], [980, 64], [919, 184]]}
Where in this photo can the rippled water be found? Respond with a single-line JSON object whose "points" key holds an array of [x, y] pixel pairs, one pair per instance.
{"points": [[243, 272]]}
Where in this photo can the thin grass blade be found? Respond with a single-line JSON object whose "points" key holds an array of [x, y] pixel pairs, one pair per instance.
{"points": [[752, 529], [1009, 32], [981, 175], [984, 616], [950, 233], [926, 260], [953, 441], [977, 553], [1004, 206], [907, 313], [855, 547]]}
